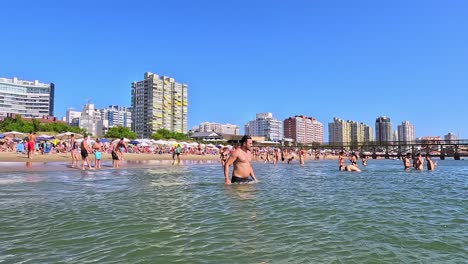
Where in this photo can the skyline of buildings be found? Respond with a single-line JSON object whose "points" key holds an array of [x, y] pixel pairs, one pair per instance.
{"points": [[158, 102], [169, 108], [31, 99]]}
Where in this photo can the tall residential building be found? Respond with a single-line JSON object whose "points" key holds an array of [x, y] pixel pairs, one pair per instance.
{"points": [[360, 132], [383, 129], [266, 126], [114, 115], [71, 115], [302, 129], [91, 121], [406, 132], [27, 98], [341, 131], [158, 102], [450, 136]]}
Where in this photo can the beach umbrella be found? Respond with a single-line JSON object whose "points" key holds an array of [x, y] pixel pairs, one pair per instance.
{"points": [[14, 134], [2, 136], [134, 142], [104, 140], [67, 135], [160, 142], [43, 137]]}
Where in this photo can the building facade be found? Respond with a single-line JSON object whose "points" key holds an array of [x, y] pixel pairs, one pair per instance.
{"points": [[303, 130], [158, 102], [72, 115], [91, 121], [114, 115], [348, 131], [383, 129], [217, 127], [266, 126], [406, 132], [27, 98]]}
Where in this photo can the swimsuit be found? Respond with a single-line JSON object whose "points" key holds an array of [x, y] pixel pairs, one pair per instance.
{"points": [[84, 153], [97, 154], [114, 156], [241, 179]]}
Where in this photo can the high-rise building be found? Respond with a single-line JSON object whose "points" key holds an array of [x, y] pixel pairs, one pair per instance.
{"points": [[27, 98], [302, 129], [383, 129], [91, 121], [114, 115], [158, 102], [341, 131], [266, 126], [71, 115], [406, 132]]}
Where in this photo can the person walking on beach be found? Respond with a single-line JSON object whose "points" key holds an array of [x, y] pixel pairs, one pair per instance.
{"points": [[177, 151], [85, 150], [97, 147], [74, 155], [31, 144], [241, 158]]}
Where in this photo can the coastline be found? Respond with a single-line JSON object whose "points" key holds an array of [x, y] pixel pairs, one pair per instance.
{"points": [[12, 161]]}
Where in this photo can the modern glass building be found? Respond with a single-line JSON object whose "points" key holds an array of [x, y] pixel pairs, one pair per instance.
{"points": [[27, 98], [158, 102]]}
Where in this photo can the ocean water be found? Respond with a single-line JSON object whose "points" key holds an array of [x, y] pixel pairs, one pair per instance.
{"points": [[184, 214]]}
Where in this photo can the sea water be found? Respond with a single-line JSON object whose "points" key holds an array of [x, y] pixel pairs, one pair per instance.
{"points": [[184, 213]]}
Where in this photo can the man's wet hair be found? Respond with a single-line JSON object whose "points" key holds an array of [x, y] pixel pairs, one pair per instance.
{"points": [[244, 139]]}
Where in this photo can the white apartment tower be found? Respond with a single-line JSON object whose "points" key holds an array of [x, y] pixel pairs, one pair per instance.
{"points": [[30, 99], [266, 126], [406, 132], [158, 102]]}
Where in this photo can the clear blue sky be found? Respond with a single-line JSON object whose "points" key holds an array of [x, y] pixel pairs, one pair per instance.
{"points": [[353, 60]]}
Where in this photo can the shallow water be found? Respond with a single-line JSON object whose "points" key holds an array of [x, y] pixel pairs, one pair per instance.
{"points": [[185, 214]]}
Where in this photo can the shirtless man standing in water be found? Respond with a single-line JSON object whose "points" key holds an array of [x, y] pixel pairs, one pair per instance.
{"points": [[241, 159]]}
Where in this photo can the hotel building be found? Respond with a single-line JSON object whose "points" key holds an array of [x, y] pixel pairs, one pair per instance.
{"points": [[27, 98], [302, 129], [158, 102]]}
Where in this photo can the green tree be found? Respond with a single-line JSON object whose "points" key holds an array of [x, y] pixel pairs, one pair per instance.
{"points": [[120, 132], [166, 134]]}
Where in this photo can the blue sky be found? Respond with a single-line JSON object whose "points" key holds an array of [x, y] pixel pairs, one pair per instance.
{"points": [[353, 60]]}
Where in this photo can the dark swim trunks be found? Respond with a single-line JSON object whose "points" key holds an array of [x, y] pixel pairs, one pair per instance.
{"points": [[84, 153], [241, 180], [114, 155]]}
